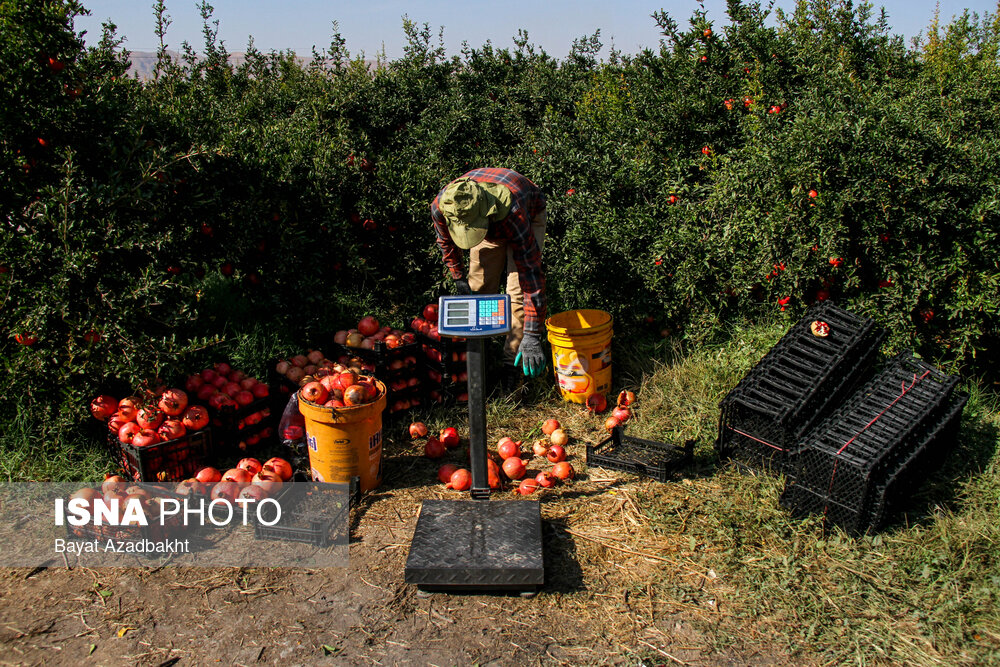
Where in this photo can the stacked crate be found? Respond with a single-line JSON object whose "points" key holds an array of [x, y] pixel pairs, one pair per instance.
{"points": [[864, 456], [446, 370], [797, 381], [399, 368]]}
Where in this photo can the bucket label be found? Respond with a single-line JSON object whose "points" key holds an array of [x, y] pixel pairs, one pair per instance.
{"points": [[375, 441], [311, 439]]}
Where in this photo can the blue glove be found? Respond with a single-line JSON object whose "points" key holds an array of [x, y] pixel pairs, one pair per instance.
{"points": [[462, 286], [530, 356]]}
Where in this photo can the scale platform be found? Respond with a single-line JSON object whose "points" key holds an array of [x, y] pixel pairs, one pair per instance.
{"points": [[477, 545]]}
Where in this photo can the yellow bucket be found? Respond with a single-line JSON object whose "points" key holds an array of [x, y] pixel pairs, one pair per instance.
{"points": [[581, 353], [345, 442]]}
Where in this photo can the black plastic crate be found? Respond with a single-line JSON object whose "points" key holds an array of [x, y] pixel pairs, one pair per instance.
{"points": [[167, 461], [659, 460], [793, 385], [250, 427], [879, 430], [909, 474], [308, 521]]}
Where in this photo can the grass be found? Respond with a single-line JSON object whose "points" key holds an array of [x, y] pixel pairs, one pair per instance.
{"points": [[925, 591], [718, 546]]}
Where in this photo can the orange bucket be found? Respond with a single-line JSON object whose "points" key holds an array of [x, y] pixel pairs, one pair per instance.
{"points": [[345, 442]]}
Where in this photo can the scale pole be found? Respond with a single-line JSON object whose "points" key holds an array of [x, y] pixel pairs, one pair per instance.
{"points": [[476, 368]]}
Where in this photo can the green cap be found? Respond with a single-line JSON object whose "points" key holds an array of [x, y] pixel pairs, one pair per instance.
{"points": [[466, 210]]}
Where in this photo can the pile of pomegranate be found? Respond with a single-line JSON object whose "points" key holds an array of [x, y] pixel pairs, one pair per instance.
{"points": [[506, 465], [340, 389], [250, 479], [161, 416]]}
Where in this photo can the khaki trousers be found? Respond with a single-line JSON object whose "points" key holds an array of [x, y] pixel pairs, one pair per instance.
{"points": [[487, 263]]}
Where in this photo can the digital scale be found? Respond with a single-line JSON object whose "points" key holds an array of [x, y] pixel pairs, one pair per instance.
{"points": [[476, 545]]}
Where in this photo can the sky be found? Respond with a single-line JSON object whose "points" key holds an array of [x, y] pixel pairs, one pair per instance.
{"points": [[371, 26]]}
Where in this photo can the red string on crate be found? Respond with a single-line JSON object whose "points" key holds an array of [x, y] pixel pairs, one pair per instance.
{"points": [[905, 389], [747, 435]]}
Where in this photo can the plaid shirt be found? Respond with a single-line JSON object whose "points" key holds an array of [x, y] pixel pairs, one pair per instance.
{"points": [[528, 201]]}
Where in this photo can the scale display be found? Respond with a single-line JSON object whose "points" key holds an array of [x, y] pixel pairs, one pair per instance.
{"points": [[474, 316]]}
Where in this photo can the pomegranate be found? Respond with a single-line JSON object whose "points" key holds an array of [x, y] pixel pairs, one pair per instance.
{"points": [[173, 402], [267, 480], [114, 483], [103, 407], [226, 491], [597, 403], [563, 470], [418, 430], [540, 448], [449, 436], [434, 448], [514, 468], [355, 395], [314, 392], [622, 414], [250, 464], [493, 474], [545, 479], [280, 466], [461, 480], [368, 326], [253, 492], [625, 398], [550, 425], [445, 472], [527, 486], [559, 437], [508, 448], [238, 475], [208, 475], [556, 454], [611, 423]]}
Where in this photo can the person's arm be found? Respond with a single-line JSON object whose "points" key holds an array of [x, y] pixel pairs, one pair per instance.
{"points": [[528, 258], [450, 253]]}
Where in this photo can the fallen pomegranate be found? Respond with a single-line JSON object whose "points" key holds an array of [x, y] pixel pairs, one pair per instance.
{"points": [[446, 471], [418, 430], [563, 470], [597, 403], [527, 487], [461, 480], [434, 448], [514, 468], [550, 425]]}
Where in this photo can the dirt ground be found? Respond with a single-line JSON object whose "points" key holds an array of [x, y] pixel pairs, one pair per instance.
{"points": [[599, 604]]}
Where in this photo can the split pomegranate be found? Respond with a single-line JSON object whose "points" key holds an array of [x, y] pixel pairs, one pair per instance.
{"points": [[556, 454], [418, 430], [625, 398], [597, 403]]}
